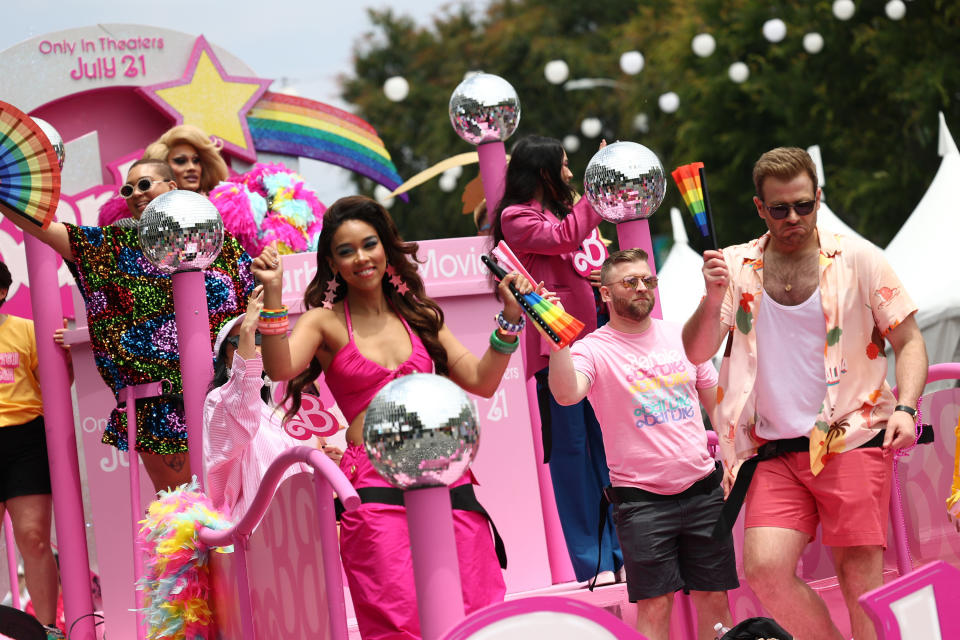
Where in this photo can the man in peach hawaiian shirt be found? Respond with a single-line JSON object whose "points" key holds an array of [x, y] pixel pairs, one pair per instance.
{"points": [[805, 314]]}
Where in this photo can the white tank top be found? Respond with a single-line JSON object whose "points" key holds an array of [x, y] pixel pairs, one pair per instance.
{"points": [[791, 382]]}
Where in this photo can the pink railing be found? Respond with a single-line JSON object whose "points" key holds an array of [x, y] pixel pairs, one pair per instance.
{"points": [[328, 480]]}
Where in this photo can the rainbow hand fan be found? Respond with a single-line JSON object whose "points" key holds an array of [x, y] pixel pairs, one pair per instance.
{"points": [[29, 169], [692, 182], [558, 327]]}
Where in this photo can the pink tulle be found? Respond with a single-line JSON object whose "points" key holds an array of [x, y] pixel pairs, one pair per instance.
{"points": [[233, 203], [112, 210]]}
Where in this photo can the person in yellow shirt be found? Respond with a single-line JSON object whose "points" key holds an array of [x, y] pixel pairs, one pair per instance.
{"points": [[24, 470]]}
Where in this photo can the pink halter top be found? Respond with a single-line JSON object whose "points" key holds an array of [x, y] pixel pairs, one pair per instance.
{"points": [[354, 379]]}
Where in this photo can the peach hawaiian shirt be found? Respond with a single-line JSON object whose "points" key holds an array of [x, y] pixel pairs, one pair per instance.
{"points": [[862, 301]]}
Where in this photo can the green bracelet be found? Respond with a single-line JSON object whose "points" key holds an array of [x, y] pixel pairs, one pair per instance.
{"points": [[501, 346]]}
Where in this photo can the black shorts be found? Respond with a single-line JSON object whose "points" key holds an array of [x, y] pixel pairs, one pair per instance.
{"points": [[24, 470], [667, 546]]}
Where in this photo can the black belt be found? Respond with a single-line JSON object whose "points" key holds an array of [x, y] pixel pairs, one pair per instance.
{"points": [[774, 449], [620, 495], [462, 498]]}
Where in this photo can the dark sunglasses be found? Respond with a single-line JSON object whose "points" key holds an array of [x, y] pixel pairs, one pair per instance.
{"points": [[781, 211], [143, 185], [235, 340], [633, 282]]}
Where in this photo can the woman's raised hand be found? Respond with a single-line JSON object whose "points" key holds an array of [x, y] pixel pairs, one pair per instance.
{"points": [[512, 311], [267, 267]]}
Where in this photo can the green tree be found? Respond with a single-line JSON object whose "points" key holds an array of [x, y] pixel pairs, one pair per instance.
{"points": [[869, 98]]}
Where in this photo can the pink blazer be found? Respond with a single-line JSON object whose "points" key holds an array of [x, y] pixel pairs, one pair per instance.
{"points": [[546, 246]]}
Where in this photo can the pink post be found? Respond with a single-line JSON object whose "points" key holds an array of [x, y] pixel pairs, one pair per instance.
{"points": [[635, 234], [332, 571], [196, 357], [11, 560], [493, 172], [561, 569], [61, 440], [436, 568]]}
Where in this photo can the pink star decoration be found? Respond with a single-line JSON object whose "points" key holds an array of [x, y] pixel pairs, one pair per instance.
{"points": [[332, 285], [402, 288], [211, 99]]}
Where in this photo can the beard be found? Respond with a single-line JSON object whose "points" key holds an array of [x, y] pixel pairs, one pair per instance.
{"points": [[637, 310]]}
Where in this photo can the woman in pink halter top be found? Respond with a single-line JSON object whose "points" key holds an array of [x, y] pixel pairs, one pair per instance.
{"points": [[369, 321]]}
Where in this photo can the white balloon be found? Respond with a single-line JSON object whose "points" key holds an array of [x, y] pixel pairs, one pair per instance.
{"points": [[738, 72], [895, 9], [382, 195], [447, 183], [571, 143], [631, 62], [396, 88], [556, 71], [844, 9], [774, 30], [456, 172], [591, 127], [703, 45], [641, 122], [669, 102], [813, 42]]}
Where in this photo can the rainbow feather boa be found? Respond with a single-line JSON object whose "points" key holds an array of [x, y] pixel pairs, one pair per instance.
{"points": [[176, 581], [270, 203], [953, 501]]}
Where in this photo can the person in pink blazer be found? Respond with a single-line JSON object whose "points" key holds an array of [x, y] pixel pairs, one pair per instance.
{"points": [[558, 242]]}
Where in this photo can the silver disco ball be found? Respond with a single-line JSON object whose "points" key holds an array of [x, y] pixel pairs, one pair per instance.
{"points": [[56, 140], [625, 181], [484, 108], [421, 431], [181, 231]]}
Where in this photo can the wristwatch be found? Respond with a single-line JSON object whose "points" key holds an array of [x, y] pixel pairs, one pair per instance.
{"points": [[906, 409]]}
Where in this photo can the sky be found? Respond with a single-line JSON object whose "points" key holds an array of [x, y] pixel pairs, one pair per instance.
{"points": [[301, 44]]}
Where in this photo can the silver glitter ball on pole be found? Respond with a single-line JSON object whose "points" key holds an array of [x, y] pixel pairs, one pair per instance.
{"points": [[484, 108], [181, 231], [625, 181], [421, 430], [56, 140]]}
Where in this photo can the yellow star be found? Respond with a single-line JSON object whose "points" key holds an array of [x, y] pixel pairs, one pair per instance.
{"points": [[212, 100]]}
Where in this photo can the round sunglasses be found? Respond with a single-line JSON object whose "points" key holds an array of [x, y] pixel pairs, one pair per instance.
{"points": [[143, 185], [781, 211], [633, 282]]}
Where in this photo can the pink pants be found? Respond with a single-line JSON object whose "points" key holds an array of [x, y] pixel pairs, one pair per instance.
{"points": [[375, 547]]}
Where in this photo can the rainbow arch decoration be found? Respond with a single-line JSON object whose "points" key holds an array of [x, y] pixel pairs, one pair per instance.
{"points": [[296, 126]]}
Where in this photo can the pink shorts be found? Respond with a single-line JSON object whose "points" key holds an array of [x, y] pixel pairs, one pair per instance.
{"points": [[850, 497]]}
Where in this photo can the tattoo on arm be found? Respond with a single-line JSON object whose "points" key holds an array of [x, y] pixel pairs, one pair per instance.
{"points": [[175, 461]]}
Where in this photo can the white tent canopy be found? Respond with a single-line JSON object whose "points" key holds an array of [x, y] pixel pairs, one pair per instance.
{"points": [[922, 254], [681, 282]]}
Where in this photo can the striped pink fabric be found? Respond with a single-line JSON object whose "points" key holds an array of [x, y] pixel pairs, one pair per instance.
{"points": [[241, 437]]}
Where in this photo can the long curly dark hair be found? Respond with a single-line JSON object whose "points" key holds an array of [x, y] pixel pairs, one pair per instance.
{"points": [[535, 170], [422, 313]]}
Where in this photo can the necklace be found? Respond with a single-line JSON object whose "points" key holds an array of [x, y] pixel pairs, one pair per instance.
{"points": [[788, 287]]}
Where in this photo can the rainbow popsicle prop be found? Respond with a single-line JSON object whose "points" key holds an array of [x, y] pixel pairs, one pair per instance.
{"points": [[558, 327], [692, 182]]}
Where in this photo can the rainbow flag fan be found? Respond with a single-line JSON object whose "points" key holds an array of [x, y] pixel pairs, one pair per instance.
{"points": [[558, 327], [692, 182], [29, 170]]}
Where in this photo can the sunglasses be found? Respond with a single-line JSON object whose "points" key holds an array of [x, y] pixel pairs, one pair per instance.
{"points": [[143, 185], [781, 211], [633, 282], [235, 340]]}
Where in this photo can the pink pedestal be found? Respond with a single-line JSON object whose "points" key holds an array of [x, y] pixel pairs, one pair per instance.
{"points": [[436, 569], [61, 440], [636, 235], [196, 358], [493, 173]]}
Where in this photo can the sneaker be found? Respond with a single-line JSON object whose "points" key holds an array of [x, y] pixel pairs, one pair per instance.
{"points": [[53, 633]]}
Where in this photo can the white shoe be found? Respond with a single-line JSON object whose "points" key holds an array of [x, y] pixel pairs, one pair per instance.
{"points": [[604, 578]]}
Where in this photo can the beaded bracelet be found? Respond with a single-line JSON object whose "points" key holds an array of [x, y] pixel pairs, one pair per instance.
{"points": [[501, 346], [509, 328]]}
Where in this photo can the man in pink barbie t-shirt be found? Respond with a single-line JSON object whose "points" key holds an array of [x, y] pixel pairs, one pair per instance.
{"points": [[667, 490]]}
